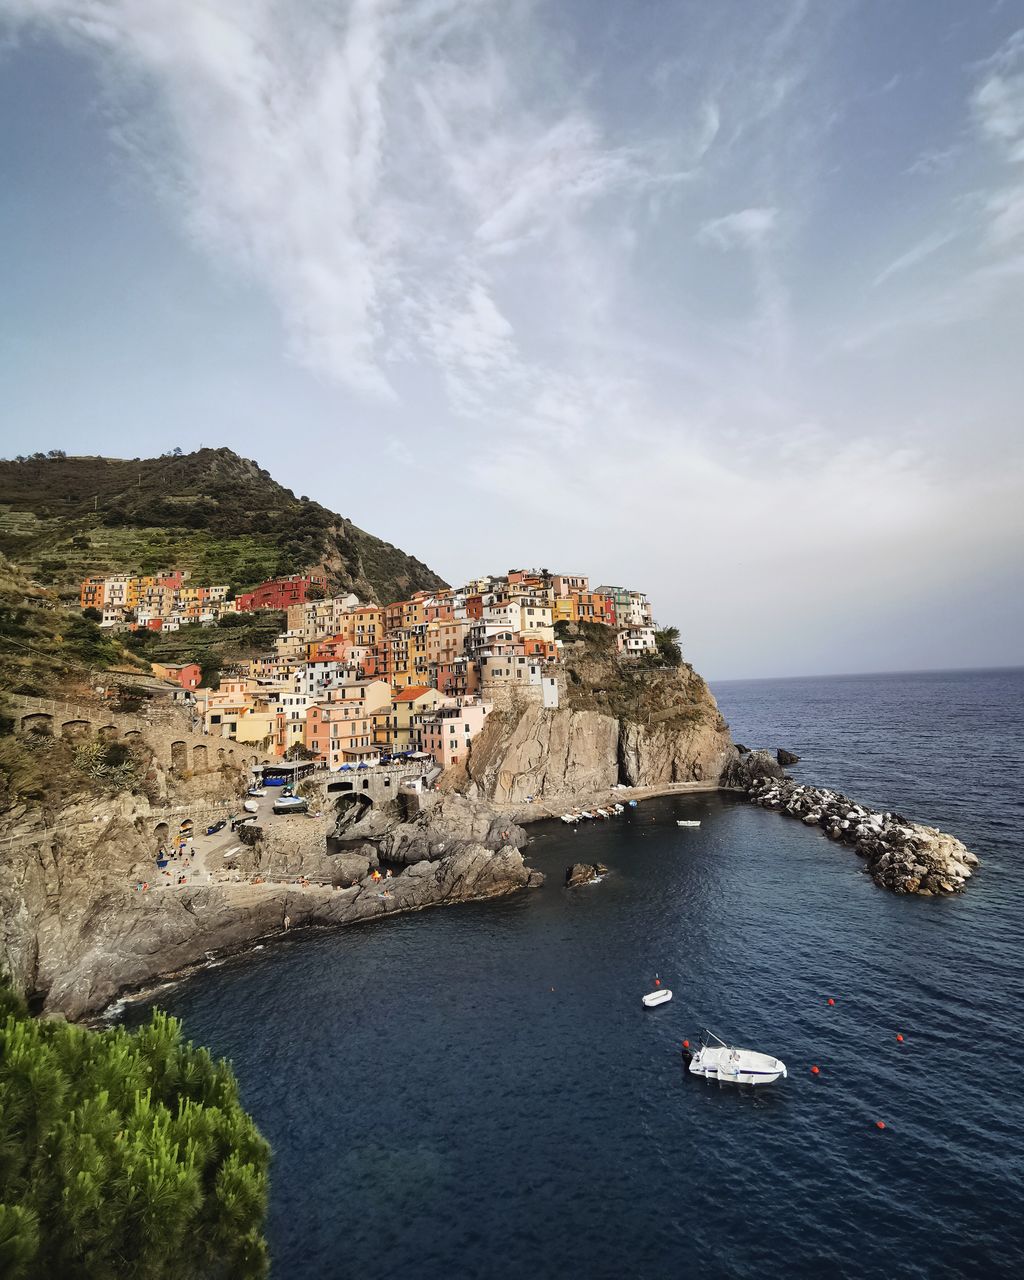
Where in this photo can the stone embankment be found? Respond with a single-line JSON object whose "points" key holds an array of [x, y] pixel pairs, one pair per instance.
{"points": [[902, 856]]}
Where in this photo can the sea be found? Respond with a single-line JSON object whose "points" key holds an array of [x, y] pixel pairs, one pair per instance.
{"points": [[477, 1091]]}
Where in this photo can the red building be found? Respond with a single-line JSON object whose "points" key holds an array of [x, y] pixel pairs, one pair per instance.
{"points": [[279, 593], [187, 674]]}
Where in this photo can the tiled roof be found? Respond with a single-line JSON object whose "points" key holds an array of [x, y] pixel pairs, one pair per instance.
{"points": [[412, 693]]}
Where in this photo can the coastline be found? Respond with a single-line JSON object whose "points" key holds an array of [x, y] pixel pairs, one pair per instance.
{"points": [[541, 811]]}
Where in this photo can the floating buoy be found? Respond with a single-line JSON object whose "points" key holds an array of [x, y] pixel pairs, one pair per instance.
{"points": [[657, 982], [686, 1044], [830, 1000], [879, 1124], [815, 1070], [899, 1039]]}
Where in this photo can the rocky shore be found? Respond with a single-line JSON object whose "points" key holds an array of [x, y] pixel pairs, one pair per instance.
{"points": [[900, 855], [76, 932]]}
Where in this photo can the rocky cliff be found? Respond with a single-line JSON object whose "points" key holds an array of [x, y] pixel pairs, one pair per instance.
{"points": [[619, 722], [76, 928]]}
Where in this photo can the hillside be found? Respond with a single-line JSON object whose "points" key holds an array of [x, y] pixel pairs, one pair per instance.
{"points": [[219, 515]]}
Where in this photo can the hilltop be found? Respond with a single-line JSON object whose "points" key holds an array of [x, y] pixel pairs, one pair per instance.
{"points": [[221, 516]]}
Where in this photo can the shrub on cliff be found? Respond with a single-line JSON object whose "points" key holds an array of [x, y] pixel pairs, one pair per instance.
{"points": [[124, 1154]]}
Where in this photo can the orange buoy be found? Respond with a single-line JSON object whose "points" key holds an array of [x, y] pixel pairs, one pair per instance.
{"points": [[815, 1071], [899, 1039], [879, 1124], [830, 1000], [657, 982], [686, 1044]]}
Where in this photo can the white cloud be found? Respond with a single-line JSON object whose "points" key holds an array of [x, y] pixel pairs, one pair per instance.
{"points": [[914, 255], [743, 229]]}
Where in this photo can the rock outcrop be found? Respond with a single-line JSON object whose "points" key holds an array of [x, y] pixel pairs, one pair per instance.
{"points": [[618, 722], [584, 873], [902, 856], [75, 930], [785, 757]]}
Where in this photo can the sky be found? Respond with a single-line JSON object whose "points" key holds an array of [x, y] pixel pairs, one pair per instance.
{"points": [[720, 301]]}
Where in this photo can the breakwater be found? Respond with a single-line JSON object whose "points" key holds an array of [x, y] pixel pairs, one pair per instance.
{"points": [[902, 856]]}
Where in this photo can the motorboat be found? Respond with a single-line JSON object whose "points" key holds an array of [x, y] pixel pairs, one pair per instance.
{"points": [[716, 1060], [689, 822], [654, 998], [290, 804]]}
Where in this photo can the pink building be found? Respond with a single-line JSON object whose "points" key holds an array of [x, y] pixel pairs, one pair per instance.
{"points": [[447, 732]]}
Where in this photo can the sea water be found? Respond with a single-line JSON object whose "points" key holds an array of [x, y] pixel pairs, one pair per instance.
{"points": [[478, 1091]]}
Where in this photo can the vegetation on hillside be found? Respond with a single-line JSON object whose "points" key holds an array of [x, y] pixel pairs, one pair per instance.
{"points": [[221, 516], [124, 1155], [215, 648], [47, 650], [656, 685]]}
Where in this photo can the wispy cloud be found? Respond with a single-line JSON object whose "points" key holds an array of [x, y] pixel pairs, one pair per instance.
{"points": [[742, 229], [914, 255]]}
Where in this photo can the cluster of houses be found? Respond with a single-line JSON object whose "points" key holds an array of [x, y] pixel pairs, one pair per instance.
{"points": [[169, 601], [356, 684]]}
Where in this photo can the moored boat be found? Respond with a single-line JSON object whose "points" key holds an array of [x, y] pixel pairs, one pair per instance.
{"points": [[716, 1060], [689, 822], [654, 998]]}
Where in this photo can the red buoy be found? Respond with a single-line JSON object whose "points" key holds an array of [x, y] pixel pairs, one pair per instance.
{"points": [[657, 982], [830, 1000], [899, 1039], [879, 1124], [686, 1044], [815, 1070]]}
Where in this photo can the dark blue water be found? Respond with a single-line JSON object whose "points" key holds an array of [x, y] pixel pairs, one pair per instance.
{"points": [[477, 1091]]}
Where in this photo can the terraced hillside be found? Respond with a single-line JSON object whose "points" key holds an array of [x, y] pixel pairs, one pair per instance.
{"points": [[213, 512]]}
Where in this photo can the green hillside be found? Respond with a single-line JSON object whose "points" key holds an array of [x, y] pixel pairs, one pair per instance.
{"points": [[219, 515]]}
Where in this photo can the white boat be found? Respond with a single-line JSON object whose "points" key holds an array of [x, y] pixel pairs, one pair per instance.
{"points": [[290, 804], [654, 998], [680, 822], [716, 1060]]}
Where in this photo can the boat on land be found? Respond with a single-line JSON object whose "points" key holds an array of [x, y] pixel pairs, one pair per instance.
{"points": [[654, 998], [687, 822], [290, 804], [716, 1060]]}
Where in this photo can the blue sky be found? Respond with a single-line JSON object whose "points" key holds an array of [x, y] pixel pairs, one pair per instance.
{"points": [[724, 301]]}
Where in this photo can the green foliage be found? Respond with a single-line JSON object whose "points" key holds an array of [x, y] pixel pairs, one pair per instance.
{"points": [[124, 1155], [667, 641], [92, 613], [113, 764]]}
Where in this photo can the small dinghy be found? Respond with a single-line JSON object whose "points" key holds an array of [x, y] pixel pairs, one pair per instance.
{"points": [[716, 1060], [654, 998], [680, 822]]}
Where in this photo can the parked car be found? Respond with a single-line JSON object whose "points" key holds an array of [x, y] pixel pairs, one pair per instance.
{"points": [[217, 826]]}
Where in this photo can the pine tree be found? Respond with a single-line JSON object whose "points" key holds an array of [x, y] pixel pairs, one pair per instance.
{"points": [[124, 1155]]}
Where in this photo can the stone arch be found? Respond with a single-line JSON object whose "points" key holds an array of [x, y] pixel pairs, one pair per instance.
{"points": [[108, 732], [76, 728], [133, 733], [220, 754], [37, 722], [179, 757], [199, 759], [161, 834]]}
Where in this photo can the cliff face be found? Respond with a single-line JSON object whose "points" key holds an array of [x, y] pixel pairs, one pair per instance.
{"points": [[619, 722], [75, 930]]}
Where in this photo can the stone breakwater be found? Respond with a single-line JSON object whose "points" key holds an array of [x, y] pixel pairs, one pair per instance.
{"points": [[902, 856]]}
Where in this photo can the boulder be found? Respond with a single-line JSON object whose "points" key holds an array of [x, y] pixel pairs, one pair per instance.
{"points": [[583, 873], [785, 757]]}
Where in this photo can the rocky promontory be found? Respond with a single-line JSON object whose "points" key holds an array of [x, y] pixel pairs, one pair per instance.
{"points": [[618, 723], [900, 855]]}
